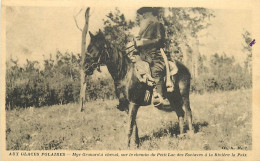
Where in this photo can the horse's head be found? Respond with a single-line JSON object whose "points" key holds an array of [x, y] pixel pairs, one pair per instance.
{"points": [[96, 52]]}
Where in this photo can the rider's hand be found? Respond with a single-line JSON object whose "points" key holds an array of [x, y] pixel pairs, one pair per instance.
{"points": [[139, 43]]}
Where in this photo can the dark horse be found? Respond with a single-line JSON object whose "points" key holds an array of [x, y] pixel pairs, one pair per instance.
{"points": [[129, 90]]}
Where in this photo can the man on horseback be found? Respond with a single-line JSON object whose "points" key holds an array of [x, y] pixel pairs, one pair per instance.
{"points": [[149, 46], [134, 82]]}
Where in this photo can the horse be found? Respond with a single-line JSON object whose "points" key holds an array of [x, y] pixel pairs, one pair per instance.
{"points": [[129, 90]]}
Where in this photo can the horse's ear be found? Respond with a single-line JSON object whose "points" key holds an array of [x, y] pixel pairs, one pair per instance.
{"points": [[100, 32], [91, 35]]}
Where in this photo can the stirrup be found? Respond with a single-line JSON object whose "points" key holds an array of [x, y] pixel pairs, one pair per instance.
{"points": [[157, 100], [169, 86]]}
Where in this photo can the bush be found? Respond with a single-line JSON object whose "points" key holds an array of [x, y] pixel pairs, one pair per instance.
{"points": [[57, 83]]}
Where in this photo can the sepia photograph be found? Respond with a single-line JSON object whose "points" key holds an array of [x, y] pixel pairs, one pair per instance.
{"points": [[140, 78]]}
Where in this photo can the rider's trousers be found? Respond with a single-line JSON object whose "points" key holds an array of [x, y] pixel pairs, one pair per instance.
{"points": [[158, 71]]}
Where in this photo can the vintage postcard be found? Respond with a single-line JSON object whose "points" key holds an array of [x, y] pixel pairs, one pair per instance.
{"points": [[130, 80]]}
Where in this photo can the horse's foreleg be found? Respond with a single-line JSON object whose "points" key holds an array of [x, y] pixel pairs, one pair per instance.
{"points": [[133, 108], [136, 135]]}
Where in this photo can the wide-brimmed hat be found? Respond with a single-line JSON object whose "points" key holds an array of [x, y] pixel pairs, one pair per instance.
{"points": [[155, 10]]}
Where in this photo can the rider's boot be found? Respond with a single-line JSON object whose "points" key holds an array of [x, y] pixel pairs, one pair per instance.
{"points": [[158, 97]]}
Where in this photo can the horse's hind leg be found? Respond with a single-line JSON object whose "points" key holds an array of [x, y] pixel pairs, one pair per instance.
{"points": [[184, 90], [180, 114], [176, 103], [188, 114], [133, 108]]}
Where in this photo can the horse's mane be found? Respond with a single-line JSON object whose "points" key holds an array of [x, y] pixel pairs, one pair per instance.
{"points": [[119, 61]]}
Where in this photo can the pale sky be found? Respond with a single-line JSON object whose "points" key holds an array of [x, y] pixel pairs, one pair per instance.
{"points": [[226, 33], [36, 31]]}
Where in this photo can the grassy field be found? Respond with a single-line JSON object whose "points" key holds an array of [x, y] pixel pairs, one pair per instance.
{"points": [[221, 120]]}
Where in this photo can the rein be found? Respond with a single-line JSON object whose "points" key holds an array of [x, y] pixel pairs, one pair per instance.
{"points": [[97, 64]]}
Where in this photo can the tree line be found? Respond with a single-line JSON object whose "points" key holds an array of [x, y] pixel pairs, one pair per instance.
{"points": [[58, 82]]}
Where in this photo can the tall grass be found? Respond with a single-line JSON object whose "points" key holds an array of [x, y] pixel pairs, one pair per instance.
{"points": [[222, 120]]}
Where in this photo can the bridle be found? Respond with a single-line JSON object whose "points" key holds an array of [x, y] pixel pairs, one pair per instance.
{"points": [[103, 53]]}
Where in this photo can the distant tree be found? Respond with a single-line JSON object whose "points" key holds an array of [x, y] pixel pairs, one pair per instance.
{"points": [[117, 29], [228, 75], [183, 27], [202, 67]]}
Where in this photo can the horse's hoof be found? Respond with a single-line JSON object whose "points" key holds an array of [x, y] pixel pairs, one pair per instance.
{"points": [[122, 109], [119, 108], [133, 146]]}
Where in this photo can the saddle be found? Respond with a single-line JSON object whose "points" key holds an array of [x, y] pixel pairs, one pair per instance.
{"points": [[143, 73]]}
